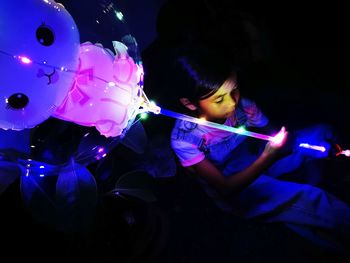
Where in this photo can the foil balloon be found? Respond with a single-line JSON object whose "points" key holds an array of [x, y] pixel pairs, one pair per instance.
{"points": [[39, 50], [106, 91]]}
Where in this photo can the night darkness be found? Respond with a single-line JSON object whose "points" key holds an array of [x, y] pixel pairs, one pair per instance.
{"points": [[293, 60]]}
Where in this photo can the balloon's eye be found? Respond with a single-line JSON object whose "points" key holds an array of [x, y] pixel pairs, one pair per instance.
{"points": [[45, 35], [17, 101]]}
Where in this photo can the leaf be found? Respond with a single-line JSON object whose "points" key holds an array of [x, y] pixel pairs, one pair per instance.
{"points": [[76, 196], [9, 172], [137, 184], [37, 194], [135, 138]]}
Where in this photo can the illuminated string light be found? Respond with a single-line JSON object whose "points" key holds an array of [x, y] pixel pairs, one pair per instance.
{"points": [[25, 60], [277, 139], [149, 106], [119, 15], [28, 61], [240, 130], [143, 116]]}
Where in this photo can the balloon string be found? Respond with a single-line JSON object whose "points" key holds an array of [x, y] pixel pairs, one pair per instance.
{"points": [[26, 60]]}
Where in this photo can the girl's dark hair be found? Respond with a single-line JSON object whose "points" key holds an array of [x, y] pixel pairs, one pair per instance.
{"points": [[203, 71]]}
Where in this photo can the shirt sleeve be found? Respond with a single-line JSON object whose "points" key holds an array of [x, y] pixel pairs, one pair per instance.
{"points": [[255, 116], [187, 153]]}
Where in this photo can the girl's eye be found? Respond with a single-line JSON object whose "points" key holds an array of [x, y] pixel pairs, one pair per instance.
{"points": [[219, 100]]}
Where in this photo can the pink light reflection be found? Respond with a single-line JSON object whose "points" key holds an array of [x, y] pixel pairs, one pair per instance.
{"points": [[25, 60], [279, 137]]}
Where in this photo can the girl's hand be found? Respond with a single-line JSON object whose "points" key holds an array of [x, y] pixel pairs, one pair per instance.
{"points": [[280, 146]]}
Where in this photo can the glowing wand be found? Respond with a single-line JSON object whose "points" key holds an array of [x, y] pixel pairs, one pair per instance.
{"points": [[152, 107]]}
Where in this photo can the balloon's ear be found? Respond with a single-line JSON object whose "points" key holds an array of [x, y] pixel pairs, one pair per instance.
{"points": [[188, 104]]}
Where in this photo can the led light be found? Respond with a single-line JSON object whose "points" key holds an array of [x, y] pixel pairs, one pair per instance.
{"points": [[313, 147]]}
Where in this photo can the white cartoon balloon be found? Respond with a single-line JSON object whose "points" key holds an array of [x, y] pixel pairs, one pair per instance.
{"points": [[39, 51]]}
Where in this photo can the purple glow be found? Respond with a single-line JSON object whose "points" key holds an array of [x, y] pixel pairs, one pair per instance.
{"points": [[279, 137], [346, 153], [25, 60], [313, 147], [104, 93]]}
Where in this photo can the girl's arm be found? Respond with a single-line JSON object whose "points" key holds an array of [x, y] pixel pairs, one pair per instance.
{"points": [[239, 181]]}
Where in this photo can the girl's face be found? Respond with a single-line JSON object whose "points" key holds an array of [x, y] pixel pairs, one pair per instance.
{"points": [[219, 106]]}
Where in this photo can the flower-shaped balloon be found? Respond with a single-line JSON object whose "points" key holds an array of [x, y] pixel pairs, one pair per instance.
{"points": [[106, 91]]}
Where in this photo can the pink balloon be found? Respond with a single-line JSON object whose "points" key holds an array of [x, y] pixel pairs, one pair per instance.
{"points": [[105, 91]]}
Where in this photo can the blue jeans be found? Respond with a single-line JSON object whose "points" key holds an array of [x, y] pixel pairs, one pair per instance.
{"points": [[302, 207]]}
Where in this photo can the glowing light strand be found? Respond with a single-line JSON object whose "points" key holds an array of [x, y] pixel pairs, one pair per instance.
{"points": [[215, 125], [151, 107], [26, 60], [313, 147]]}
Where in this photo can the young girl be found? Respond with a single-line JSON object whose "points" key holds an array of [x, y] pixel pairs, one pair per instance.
{"points": [[242, 179]]}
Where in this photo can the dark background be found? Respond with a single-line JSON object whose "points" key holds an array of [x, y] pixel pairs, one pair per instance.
{"points": [[293, 57], [293, 61]]}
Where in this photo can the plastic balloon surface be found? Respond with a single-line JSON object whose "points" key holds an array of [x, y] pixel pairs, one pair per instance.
{"points": [[108, 87], [81, 69], [39, 49], [106, 90], [66, 100], [74, 78]]}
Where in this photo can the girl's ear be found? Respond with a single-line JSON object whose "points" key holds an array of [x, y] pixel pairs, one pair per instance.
{"points": [[189, 105]]}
